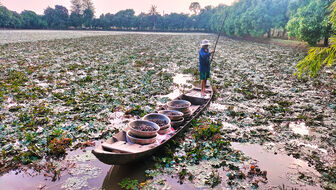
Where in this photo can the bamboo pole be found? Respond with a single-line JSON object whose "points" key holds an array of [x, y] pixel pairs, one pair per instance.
{"points": [[219, 33]]}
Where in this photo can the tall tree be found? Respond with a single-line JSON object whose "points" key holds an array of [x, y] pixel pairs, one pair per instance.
{"points": [[124, 18], [87, 4], [57, 18], [204, 18], [153, 15], [310, 22], [88, 17], [62, 16], [76, 20], [320, 57], [76, 7], [195, 7], [16, 21], [31, 20], [5, 17]]}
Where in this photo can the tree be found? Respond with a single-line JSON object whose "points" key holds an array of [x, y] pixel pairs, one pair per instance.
{"points": [[56, 18], [76, 20], [153, 15], [16, 21], [195, 7], [31, 20], [5, 17], [87, 4], [76, 7], [142, 21], [61, 16], [203, 19], [124, 18], [310, 22], [176, 21], [88, 17], [320, 57]]}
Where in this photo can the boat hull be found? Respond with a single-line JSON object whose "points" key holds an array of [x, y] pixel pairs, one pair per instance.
{"points": [[121, 158]]}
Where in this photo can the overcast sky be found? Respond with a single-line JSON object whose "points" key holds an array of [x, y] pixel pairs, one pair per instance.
{"points": [[113, 6]]}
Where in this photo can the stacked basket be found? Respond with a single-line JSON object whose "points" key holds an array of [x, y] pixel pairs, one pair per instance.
{"points": [[142, 132], [181, 106], [176, 117], [161, 120]]}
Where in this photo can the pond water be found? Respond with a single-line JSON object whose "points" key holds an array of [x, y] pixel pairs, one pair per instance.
{"points": [[92, 174], [87, 172], [14, 36], [281, 169]]}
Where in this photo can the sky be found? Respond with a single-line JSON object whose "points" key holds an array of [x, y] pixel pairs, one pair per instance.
{"points": [[113, 6]]}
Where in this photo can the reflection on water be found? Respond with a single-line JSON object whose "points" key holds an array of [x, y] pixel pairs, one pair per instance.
{"points": [[90, 177], [281, 169], [132, 171]]}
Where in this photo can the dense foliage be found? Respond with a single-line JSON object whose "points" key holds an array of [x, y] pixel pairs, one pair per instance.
{"points": [[319, 57], [309, 21], [252, 17]]}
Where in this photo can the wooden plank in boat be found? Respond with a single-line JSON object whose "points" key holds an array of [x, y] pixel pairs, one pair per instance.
{"points": [[193, 108], [197, 94], [125, 147]]}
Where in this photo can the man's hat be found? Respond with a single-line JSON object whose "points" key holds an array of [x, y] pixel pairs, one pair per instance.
{"points": [[205, 43]]}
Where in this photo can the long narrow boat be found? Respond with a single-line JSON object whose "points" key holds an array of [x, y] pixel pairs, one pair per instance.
{"points": [[117, 151]]}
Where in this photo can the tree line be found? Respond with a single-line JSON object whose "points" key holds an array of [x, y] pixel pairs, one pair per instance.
{"points": [[82, 17], [306, 20]]}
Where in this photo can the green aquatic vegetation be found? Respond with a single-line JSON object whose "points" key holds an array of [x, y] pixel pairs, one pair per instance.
{"points": [[84, 83], [16, 78], [205, 131], [239, 114], [129, 184], [195, 152], [274, 109], [285, 103], [213, 180], [57, 147]]}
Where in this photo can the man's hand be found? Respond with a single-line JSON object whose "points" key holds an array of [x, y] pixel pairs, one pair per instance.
{"points": [[212, 51]]}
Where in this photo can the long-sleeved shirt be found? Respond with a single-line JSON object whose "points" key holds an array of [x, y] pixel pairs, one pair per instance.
{"points": [[204, 60]]}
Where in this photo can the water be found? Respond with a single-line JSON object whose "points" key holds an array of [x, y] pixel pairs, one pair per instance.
{"points": [[180, 80], [281, 169], [14, 36], [299, 128], [93, 173]]}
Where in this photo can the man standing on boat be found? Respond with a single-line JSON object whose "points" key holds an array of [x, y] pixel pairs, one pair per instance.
{"points": [[204, 65]]}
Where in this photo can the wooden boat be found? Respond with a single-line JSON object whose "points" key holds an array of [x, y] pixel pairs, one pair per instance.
{"points": [[117, 151]]}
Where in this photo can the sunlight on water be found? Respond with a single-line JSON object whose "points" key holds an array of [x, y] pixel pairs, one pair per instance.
{"points": [[299, 128], [181, 79], [218, 107]]}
